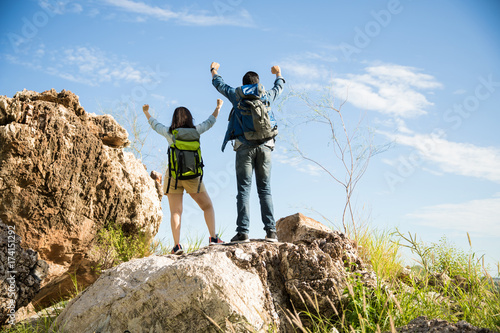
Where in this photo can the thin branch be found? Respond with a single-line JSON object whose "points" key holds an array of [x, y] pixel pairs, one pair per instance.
{"points": [[355, 159]]}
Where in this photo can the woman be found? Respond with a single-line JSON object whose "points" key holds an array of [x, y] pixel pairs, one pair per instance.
{"points": [[182, 118]]}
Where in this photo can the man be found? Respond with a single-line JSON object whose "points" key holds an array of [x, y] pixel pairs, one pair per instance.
{"points": [[250, 155]]}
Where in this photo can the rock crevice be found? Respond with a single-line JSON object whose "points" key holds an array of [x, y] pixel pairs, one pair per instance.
{"points": [[21, 274]]}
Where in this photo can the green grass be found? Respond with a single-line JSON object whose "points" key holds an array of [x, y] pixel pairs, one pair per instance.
{"points": [[469, 294], [113, 247]]}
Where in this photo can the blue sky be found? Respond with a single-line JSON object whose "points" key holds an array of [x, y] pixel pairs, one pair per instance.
{"points": [[423, 75]]}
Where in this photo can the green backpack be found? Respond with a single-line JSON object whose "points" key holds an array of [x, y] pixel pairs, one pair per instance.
{"points": [[184, 156]]}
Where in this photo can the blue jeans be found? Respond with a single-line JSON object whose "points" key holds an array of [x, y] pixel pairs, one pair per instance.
{"points": [[249, 159]]}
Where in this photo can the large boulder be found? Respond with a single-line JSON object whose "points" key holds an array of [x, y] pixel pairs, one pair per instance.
{"points": [[241, 287], [169, 294], [63, 176], [21, 273]]}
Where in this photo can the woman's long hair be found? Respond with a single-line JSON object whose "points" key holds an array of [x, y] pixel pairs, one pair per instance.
{"points": [[181, 118]]}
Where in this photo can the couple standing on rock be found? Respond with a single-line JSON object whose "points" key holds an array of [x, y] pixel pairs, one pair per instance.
{"points": [[250, 156]]}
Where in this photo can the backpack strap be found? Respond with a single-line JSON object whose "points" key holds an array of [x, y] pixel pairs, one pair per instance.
{"points": [[168, 185], [199, 184], [179, 162], [169, 172], [200, 166]]}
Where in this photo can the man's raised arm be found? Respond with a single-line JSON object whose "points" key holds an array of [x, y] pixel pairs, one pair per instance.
{"points": [[278, 84], [214, 67], [219, 84]]}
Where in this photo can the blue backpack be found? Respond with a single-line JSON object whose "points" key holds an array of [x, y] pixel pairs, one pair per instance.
{"points": [[257, 120]]}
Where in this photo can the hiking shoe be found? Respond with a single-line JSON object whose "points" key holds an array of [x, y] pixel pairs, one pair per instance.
{"points": [[215, 240], [177, 249], [271, 236], [240, 238]]}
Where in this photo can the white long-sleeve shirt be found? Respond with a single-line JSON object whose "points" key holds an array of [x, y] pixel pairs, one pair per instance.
{"points": [[164, 130]]}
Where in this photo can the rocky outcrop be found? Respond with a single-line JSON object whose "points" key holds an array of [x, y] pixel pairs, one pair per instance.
{"points": [[298, 227], [317, 263], [241, 287], [424, 325], [21, 273], [63, 175]]}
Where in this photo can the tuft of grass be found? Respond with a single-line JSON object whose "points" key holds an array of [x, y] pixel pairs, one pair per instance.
{"points": [[194, 244], [158, 247], [378, 248], [114, 247]]}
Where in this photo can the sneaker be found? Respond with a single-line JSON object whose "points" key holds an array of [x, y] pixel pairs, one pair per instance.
{"points": [[215, 240], [271, 236], [240, 238], [177, 249]]}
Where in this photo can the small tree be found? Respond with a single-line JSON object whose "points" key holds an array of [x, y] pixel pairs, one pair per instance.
{"points": [[353, 148]]}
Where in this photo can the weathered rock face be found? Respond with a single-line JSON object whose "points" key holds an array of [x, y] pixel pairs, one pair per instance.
{"points": [[168, 294], [298, 227], [245, 287], [21, 273], [63, 175], [317, 263], [424, 325]]}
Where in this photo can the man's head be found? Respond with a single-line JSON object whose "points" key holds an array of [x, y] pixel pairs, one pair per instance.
{"points": [[250, 78]]}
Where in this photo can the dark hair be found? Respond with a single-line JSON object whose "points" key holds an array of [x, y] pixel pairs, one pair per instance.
{"points": [[250, 78], [181, 118]]}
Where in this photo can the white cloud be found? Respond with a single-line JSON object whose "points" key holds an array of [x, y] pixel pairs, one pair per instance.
{"points": [[76, 8], [478, 217], [40, 51], [312, 72], [87, 65], [309, 68], [238, 17], [142, 8], [158, 97], [303, 86], [60, 6], [297, 163], [169, 103], [228, 14], [93, 12], [320, 56], [397, 74], [94, 66], [463, 159], [388, 89], [401, 127]]}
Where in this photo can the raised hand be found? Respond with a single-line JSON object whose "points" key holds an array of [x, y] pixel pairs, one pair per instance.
{"points": [[276, 70], [215, 65], [145, 109]]}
